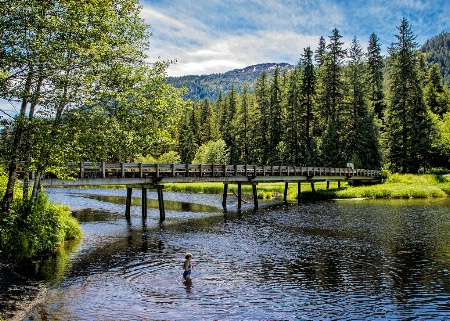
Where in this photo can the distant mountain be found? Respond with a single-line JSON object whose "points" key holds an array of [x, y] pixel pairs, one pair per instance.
{"points": [[437, 50], [209, 86]]}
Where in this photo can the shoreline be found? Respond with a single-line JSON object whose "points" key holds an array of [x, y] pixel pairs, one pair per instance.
{"points": [[19, 294]]}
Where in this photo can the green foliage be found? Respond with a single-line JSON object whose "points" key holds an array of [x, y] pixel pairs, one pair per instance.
{"points": [[351, 105], [408, 125], [170, 157], [437, 51], [213, 152], [395, 190], [42, 230]]}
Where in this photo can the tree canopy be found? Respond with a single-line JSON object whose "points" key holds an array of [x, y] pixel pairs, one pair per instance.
{"points": [[79, 72]]}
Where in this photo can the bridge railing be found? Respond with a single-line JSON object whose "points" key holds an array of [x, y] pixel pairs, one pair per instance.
{"points": [[139, 170]]}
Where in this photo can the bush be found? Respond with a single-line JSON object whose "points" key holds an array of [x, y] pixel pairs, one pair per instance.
{"points": [[44, 228]]}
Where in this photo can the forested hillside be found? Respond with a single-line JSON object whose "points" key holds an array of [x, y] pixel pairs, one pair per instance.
{"points": [[437, 50], [209, 86]]}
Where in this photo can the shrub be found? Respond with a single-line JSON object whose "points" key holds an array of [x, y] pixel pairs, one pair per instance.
{"points": [[44, 228]]}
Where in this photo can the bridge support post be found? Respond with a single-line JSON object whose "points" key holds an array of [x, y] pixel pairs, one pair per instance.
{"points": [[144, 203], [128, 203], [299, 192], [224, 198], [313, 191], [286, 186], [255, 196], [162, 212], [239, 196]]}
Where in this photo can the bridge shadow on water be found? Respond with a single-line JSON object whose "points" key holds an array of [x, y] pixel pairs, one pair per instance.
{"points": [[152, 203]]}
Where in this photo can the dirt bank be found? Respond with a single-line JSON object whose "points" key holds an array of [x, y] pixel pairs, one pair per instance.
{"points": [[18, 294]]}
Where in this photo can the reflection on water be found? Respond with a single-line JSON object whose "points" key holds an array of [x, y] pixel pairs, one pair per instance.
{"points": [[324, 261], [153, 203]]}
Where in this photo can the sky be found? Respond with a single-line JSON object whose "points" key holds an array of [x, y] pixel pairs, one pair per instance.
{"points": [[215, 36]]}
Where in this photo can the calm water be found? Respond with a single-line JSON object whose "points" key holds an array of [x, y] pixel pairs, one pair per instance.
{"points": [[344, 260]]}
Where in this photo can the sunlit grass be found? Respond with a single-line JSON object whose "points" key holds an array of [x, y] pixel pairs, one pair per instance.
{"points": [[396, 186]]}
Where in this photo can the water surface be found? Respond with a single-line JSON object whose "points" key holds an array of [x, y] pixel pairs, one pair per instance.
{"points": [[344, 260]]}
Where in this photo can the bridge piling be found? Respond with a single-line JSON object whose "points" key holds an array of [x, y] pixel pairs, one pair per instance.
{"points": [[144, 203], [128, 203], [255, 196], [224, 198], [239, 196], [286, 186], [162, 212]]}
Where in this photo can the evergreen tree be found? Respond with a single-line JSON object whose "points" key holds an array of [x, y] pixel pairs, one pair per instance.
{"points": [[262, 95], [362, 135], [187, 145], [375, 75], [275, 116], [320, 55], [333, 110], [204, 124], [293, 120], [408, 125], [243, 127], [436, 96], [307, 98], [227, 128]]}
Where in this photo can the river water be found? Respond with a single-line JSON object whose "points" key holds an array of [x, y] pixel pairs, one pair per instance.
{"points": [[334, 260]]}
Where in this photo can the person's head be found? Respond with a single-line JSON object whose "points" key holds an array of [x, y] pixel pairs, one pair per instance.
{"points": [[188, 256]]}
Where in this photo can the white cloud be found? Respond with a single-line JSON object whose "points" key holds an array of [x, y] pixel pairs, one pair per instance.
{"points": [[231, 52], [216, 36]]}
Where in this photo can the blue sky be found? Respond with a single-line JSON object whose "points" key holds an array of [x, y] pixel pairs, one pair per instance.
{"points": [[214, 36]]}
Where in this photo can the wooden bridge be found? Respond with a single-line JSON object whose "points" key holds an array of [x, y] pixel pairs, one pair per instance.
{"points": [[153, 176]]}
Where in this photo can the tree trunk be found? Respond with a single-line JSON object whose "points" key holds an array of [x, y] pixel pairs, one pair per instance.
{"points": [[15, 148], [36, 186]]}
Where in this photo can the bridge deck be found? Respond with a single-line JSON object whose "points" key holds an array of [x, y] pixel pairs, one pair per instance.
{"points": [[153, 176], [131, 173]]}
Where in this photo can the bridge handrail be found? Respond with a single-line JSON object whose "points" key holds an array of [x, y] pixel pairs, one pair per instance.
{"points": [[102, 169], [143, 170]]}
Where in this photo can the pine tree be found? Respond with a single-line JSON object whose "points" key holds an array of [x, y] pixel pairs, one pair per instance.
{"points": [[293, 119], [436, 96], [361, 131], [204, 124], [275, 116], [333, 110], [187, 145], [320, 55], [243, 127], [408, 126], [262, 95], [227, 129], [307, 97], [375, 75]]}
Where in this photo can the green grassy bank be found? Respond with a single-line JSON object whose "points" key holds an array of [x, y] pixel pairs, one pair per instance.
{"points": [[45, 227], [395, 186]]}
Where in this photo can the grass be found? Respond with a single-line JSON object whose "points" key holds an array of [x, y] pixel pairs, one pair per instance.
{"points": [[396, 186]]}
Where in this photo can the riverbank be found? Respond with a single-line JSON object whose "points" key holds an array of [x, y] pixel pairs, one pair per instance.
{"points": [[19, 294], [396, 186]]}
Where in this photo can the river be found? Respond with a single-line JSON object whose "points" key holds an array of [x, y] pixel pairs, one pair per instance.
{"points": [[333, 260]]}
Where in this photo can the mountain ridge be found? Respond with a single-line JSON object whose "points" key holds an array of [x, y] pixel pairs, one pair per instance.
{"points": [[209, 86], [199, 87]]}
